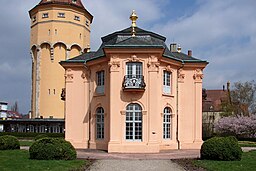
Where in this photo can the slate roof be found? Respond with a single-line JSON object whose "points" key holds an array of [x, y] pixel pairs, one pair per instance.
{"points": [[143, 39]]}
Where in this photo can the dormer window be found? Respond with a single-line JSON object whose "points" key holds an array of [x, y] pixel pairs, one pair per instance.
{"points": [[45, 15], [61, 15], [74, 1], [77, 18]]}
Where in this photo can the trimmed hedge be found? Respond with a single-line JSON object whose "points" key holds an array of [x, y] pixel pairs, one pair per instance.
{"points": [[32, 134], [40, 136], [8, 142], [52, 149], [221, 148]]}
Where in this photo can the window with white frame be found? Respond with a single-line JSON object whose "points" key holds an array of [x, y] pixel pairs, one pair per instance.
{"points": [[133, 122], [167, 82], [100, 123], [167, 123], [100, 82], [134, 69]]}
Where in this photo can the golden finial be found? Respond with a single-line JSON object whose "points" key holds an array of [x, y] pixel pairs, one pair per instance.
{"points": [[133, 17]]}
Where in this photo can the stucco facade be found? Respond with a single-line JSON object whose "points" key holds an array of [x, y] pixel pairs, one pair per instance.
{"points": [[134, 95], [60, 30]]}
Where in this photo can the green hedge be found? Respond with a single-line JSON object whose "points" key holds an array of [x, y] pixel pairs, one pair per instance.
{"points": [[32, 134], [52, 149], [221, 148], [8, 142]]}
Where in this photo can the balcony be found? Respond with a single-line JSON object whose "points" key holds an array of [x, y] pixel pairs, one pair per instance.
{"points": [[134, 83]]}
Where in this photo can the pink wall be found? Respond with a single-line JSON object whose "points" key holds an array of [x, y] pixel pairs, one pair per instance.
{"points": [[185, 102]]}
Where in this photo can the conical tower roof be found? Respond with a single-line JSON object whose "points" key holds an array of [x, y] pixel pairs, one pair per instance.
{"points": [[77, 3]]}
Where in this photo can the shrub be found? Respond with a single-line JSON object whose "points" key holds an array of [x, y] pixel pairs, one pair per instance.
{"points": [[221, 148], [52, 149], [241, 127], [40, 136], [8, 142], [32, 134]]}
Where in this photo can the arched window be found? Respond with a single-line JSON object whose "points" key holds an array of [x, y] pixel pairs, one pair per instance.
{"points": [[100, 123], [167, 123], [133, 122]]}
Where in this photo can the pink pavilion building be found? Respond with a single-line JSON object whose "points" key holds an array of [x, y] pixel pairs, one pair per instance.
{"points": [[134, 95]]}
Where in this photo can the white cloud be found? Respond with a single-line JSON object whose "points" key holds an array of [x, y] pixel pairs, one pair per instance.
{"points": [[224, 33], [221, 31]]}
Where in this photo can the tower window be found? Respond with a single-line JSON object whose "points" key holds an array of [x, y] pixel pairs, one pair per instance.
{"points": [[34, 19], [80, 36], [77, 18], [54, 91], [45, 15], [56, 31], [74, 1], [61, 15], [49, 91], [49, 32], [87, 23]]}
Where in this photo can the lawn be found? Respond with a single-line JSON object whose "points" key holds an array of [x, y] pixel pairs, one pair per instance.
{"points": [[19, 160], [247, 163], [247, 143]]}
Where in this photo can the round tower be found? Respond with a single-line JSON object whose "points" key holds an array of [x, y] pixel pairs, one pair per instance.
{"points": [[60, 29]]}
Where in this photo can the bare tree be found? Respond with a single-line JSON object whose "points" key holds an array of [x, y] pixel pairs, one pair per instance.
{"points": [[241, 100]]}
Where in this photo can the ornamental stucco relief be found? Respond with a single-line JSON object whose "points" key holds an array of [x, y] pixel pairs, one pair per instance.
{"points": [[198, 75], [153, 63], [69, 75], [181, 75]]}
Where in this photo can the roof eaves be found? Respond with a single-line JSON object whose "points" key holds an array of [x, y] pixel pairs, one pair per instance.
{"points": [[171, 57], [134, 46]]}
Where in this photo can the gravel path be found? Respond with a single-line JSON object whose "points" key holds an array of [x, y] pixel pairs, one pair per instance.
{"points": [[134, 165]]}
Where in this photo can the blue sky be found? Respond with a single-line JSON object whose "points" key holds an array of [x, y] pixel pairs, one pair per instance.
{"points": [[222, 32]]}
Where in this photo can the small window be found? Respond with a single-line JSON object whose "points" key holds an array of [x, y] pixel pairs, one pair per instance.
{"points": [[77, 18], [49, 91], [167, 123], [100, 123], [45, 15], [34, 19], [49, 32], [74, 1], [56, 31], [167, 82], [100, 82], [61, 15], [54, 91], [87, 23]]}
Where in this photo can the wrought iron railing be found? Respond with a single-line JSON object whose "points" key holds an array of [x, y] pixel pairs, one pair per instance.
{"points": [[134, 82]]}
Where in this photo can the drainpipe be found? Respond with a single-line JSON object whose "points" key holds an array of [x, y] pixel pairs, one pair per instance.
{"points": [[177, 107], [89, 106]]}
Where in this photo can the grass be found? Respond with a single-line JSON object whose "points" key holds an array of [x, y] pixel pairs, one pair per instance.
{"points": [[19, 160], [247, 163], [247, 143]]}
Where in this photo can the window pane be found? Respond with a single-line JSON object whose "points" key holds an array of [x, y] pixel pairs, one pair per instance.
{"points": [[133, 122]]}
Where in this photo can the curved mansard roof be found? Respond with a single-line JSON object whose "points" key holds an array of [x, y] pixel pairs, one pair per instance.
{"points": [[143, 39]]}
